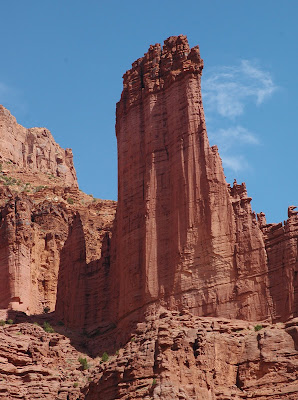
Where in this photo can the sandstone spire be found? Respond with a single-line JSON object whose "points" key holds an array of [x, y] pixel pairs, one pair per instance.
{"points": [[183, 237]]}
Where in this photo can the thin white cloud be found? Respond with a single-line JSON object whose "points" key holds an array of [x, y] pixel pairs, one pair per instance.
{"points": [[235, 163], [227, 89], [233, 136]]}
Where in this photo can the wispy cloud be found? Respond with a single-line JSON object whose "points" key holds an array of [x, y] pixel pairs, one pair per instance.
{"points": [[234, 135], [235, 163], [227, 89]]}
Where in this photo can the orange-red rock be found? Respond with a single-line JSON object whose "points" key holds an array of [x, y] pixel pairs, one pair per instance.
{"points": [[183, 237], [282, 250], [37, 204], [178, 356], [169, 289], [34, 150]]}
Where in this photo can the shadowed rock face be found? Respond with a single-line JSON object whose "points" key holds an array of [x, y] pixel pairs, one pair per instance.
{"points": [[39, 198], [183, 237]]}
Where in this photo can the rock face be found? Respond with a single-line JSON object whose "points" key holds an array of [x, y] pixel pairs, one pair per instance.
{"points": [[39, 198], [37, 365], [34, 150], [178, 356], [282, 250], [181, 289], [183, 237]]}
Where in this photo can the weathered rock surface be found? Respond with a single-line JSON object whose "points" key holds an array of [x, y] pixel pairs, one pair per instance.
{"points": [[35, 364], [169, 288], [281, 242], [175, 355], [34, 150], [37, 205], [183, 237]]}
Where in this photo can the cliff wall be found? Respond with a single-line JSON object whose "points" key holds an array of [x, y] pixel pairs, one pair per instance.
{"points": [[39, 198], [281, 242], [34, 150], [183, 238]]}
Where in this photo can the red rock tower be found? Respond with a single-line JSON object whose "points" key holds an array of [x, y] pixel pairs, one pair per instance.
{"points": [[183, 237]]}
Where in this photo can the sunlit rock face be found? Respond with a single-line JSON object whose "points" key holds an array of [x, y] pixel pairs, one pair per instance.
{"points": [[34, 150], [183, 237]]}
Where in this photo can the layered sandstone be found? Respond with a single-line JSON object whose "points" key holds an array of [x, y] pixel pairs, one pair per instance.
{"points": [[281, 242], [175, 355], [38, 365], [34, 150], [183, 237], [38, 201]]}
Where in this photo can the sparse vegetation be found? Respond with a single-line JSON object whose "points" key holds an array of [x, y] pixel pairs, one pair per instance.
{"points": [[8, 180], [48, 328], [75, 385], [133, 339], [258, 328], [9, 321], [70, 200], [46, 310], [117, 353], [84, 363], [2, 322], [36, 323], [105, 357], [154, 382]]}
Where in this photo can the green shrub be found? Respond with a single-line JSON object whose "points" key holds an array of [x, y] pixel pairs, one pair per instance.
{"points": [[9, 321], [258, 328], [84, 363], [46, 309], [75, 384], [2, 323], [60, 323], [105, 357], [70, 200], [154, 382], [36, 323], [48, 328]]}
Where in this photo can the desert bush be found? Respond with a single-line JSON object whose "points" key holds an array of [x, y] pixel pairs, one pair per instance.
{"points": [[48, 328], [84, 363], [105, 357], [258, 328]]}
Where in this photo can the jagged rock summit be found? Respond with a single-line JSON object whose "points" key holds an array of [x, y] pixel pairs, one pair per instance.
{"points": [[188, 291], [34, 150]]}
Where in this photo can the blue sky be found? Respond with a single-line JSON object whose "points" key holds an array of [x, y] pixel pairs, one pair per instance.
{"points": [[62, 64]]}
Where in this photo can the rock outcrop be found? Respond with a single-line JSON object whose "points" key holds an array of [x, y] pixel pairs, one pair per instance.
{"points": [[183, 237], [175, 355], [281, 242], [39, 198], [34, 150]]}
